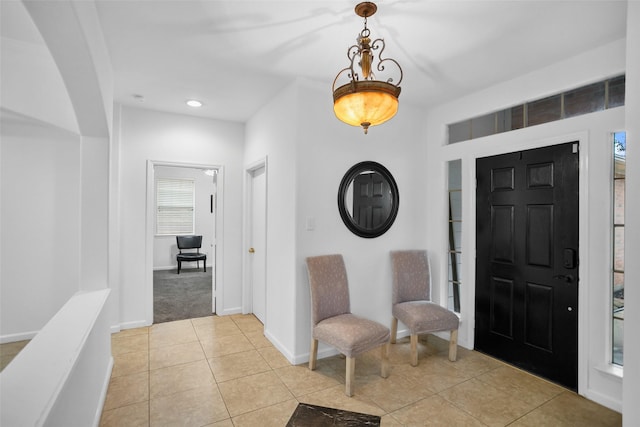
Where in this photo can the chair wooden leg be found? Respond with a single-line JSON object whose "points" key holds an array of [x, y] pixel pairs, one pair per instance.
{"points": [[453, 345], [313, 354], [394, 329], [179, 265], [349, 376], [384, 369], [414, 349]]}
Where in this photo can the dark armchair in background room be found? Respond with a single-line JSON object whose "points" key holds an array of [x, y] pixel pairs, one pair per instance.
{"points": [[186, 244]]}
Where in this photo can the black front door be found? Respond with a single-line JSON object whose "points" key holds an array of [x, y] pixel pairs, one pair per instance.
{"points": [[526, 260]]}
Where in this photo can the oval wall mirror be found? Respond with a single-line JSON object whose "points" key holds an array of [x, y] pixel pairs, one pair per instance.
{"points": [[368, 199]]}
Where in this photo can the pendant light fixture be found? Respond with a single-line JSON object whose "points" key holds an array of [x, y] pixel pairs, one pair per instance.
{"points": [[365, 101]]}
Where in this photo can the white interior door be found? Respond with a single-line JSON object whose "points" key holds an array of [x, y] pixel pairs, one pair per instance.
{"points": [[257, 250]]}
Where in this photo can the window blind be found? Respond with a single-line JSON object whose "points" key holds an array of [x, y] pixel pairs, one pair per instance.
{"points": [[174, 206]]}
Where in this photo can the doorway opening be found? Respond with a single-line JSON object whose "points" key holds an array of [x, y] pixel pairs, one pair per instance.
{"points": [[182, 200]]}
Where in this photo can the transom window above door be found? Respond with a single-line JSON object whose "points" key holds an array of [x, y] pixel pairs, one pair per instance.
{"points": [[593, 97]]}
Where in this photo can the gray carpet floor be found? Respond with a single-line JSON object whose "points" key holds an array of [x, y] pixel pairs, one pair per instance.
{"points": [[181, 296]]}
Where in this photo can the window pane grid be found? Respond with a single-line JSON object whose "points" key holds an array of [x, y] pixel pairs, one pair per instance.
{"points": [[454, 223], [617, 294]]}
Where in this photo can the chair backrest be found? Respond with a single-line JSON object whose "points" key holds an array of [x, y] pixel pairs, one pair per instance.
{"points": [[329, 287], [189, 242], [411, 276]]}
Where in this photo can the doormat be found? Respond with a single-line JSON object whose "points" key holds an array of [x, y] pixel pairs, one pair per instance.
{"points": [[318, 416]]}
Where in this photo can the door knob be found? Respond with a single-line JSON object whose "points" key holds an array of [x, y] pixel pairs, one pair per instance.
{"points": [[251, 250]]}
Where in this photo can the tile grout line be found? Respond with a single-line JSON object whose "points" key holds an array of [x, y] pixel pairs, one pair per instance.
{"points": [[215, 381], [273, 371]]}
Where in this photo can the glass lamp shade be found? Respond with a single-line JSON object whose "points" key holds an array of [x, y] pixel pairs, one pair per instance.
{"points": [[365, 103]]}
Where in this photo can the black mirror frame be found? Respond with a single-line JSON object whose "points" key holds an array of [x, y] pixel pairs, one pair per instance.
{"points": [[354, 171]]}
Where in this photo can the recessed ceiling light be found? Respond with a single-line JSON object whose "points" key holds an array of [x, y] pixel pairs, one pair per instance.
{"points": [[194, 103]]}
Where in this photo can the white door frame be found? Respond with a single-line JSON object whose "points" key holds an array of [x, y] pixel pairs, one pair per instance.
{"points": [[247, 290], [469, 233], [218, 291]]}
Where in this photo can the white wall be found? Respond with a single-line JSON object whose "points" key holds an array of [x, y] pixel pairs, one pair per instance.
{"points": [[323, 158], [89, 24], [75, 40], [631, 409], [40, 170], [161, 137], [308, 154], [596, 379], [165, 248], [29, 72], [40, 235], [54, 215], [94, 212], [269, 135]]}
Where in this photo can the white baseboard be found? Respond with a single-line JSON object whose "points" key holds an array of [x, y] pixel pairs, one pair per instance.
{"points": [[230, 311], [614, 405], [281, 348], [322, 354], [175, 267], [130, 325], [402, 333]]}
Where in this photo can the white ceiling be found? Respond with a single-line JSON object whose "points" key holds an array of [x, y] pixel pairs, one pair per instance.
{"points": [[235, 55]]}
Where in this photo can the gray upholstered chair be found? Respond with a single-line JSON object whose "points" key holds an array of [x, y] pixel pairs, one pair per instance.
{"points": [[411, 302], [332, 320]]}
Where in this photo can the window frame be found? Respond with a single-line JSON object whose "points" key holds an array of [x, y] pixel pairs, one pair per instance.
{"points": [[454, 254], [617, 357]]}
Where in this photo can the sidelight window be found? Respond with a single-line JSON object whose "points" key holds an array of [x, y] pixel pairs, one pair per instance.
{"points": [[454, 253], [619, 173], [175, 206]]}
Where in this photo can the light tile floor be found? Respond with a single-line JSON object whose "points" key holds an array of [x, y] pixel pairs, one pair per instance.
{"points": [[222, 371], [9, 350]]}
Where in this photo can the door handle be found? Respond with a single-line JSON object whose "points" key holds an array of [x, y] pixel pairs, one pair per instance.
{"points": [[567, 278], [251, 250], [569, 258]]}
